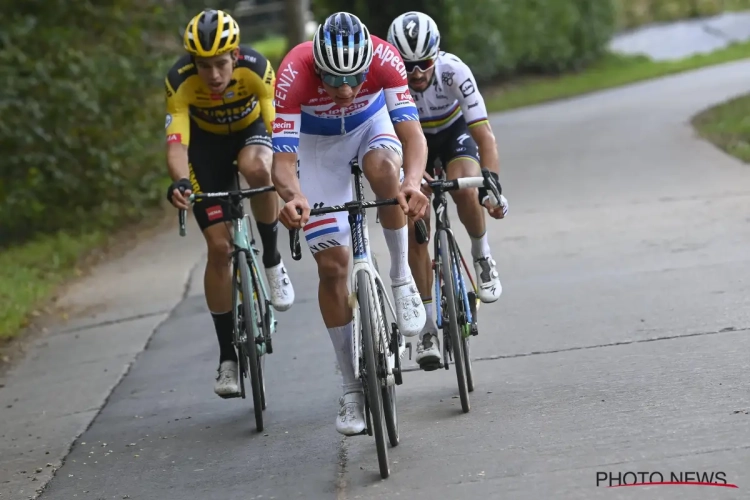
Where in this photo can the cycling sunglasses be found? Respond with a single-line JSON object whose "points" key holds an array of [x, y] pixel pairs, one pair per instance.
{"points": [[338, 81], [422, 65]]}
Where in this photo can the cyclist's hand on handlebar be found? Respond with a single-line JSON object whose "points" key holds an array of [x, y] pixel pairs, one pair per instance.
{"points": [[295, 213], [499, 211], [426, 189], [178, 193], [413, 201]]}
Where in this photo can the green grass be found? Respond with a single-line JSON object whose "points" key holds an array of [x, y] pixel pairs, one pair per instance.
{"points": [[272, 48], [30, 273], [727, 125], [611, 71]]}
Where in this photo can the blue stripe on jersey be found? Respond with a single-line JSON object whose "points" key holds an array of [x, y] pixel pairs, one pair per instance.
{"points": [[316, 125]]}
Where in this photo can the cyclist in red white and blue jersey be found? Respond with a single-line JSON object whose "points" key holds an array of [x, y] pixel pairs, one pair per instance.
{"points": [[343, 96]]}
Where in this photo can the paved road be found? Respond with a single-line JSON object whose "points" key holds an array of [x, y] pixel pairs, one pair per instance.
{"points": [[620, 343]]}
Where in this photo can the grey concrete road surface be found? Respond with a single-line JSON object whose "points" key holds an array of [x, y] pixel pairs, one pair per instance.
{"points": [[620, 342], [676, 40]]}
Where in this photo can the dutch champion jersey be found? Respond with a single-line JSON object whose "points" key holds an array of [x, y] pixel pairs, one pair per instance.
{"points": [[452, 94], [304, 107]]}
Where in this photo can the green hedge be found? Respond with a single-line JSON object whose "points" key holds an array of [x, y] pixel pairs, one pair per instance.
{"points": [[502, 37], [82, 128], [509, 37], [633, 13]]}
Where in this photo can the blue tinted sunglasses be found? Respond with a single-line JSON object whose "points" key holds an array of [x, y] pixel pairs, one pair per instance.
{"points": [[338, 81]]}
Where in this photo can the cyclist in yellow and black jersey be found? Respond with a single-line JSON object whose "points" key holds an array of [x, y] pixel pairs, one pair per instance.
{"points": [[220, 110]]}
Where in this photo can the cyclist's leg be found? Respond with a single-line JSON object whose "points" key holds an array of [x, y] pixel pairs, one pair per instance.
{"points": [[463, 161], [211, 169], [254, 162], [325, 179], [380, 156], [429, 355]]}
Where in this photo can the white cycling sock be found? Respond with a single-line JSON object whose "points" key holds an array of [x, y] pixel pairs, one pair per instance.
{"points": [[343, 345], [480, 247], [430, 326], [398, 245]]}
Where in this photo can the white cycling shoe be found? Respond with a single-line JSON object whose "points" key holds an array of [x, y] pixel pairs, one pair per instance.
{"points": [[351, 420], [409, 309], [226, 380], [488, 279], [429, 356], [281, 289]]}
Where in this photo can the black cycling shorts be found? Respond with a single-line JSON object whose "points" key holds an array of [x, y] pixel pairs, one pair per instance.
{"points": [[212, 166], [450, 144]]}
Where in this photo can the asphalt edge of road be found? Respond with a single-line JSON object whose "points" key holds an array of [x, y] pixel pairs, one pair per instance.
{"points": [[105, 400]]}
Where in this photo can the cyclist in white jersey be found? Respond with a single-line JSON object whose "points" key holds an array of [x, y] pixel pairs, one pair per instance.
{"points": [[343, 96], [454, 120]]}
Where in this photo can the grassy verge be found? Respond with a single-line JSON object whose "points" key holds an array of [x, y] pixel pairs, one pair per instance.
{"points": [[611, 71], [727, 126], [30, 273]]}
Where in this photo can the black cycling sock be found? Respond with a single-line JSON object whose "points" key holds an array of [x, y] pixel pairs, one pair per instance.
{"points": [[224, 324], [268, 233]]}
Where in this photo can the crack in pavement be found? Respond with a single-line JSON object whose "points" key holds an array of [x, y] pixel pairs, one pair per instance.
{"points": [[340, 483], [729, 329], [169, 315], [116, 321]]}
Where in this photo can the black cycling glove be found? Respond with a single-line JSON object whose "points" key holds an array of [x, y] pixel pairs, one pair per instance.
{"points": [[182, 184], [484, 193]]}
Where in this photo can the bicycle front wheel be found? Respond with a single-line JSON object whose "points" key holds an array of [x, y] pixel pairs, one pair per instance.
{"points": [[449, 287], [373, 384], [389, 392], [251, 330]]}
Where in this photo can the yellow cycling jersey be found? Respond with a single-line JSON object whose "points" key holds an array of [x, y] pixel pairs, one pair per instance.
{"points": [[248, 95]]}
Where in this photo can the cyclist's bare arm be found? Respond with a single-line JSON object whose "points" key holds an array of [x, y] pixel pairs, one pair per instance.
{"points": [[284, 177], [415, 150], [178, 137], [485, 139]]}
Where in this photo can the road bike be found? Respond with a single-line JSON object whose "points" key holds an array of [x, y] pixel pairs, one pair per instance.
{"points": [[456, 306], [378, 346], [254, 319]]}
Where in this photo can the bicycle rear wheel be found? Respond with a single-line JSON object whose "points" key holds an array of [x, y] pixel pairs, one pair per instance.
{"points": [[251, 330], [373, 386], [449, 288]]}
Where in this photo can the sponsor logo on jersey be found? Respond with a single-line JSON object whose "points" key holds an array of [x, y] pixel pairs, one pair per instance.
{"points": [[214, 212], [348, 110], [403, 98], [284, 81], [174, 138], [229, 94], [169, 121], [280, 125], [467, 88], [387, 55]]}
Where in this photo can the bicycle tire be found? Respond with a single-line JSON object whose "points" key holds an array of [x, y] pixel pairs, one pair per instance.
{"points": [[467, 345], [372, 386], [449, 288], [389, 392], [261, 308], [252, 354]]}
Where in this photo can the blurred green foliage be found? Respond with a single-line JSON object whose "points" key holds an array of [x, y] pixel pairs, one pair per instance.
{"points": [[634, 13], [83, 114]]}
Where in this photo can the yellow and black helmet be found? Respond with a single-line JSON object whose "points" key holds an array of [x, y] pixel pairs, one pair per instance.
{"points": [[211, 33]]}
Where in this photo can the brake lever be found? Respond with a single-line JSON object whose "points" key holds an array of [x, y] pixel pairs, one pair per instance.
{"points": [[421, 234], [294, 245]]}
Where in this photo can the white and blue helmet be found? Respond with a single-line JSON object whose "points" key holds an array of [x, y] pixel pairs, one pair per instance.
{"points": [[415, 35], [342, 45]]}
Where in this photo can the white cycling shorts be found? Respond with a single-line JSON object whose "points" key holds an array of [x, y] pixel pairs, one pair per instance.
{"points": [[326, 178]]}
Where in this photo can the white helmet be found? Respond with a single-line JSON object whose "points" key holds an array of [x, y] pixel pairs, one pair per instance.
{"points": [[342, 45], [415, 35]]}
